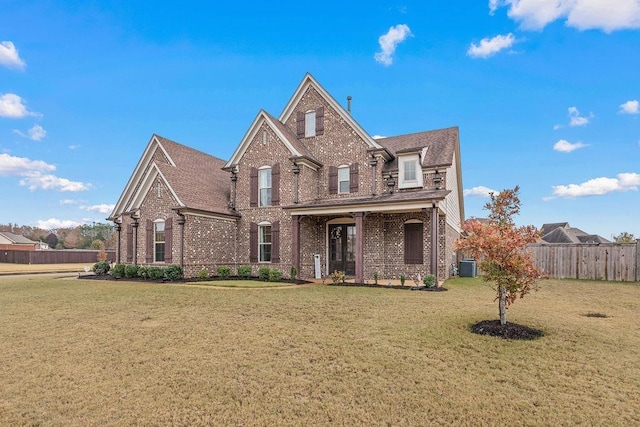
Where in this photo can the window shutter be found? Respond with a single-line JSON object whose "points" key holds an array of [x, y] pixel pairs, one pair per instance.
{"points": [[275, 184], [353, 178], [253, 182], [300, 124], [149, 237], [168, 240], [275, 242], [129, 243], [413, 243], [253, 242], [320, 121], [333, 180]]}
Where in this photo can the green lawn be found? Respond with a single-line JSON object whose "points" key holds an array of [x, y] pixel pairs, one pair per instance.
{"points": [[86, 352]]}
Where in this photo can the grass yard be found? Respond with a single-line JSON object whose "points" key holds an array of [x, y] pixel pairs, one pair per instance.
{"points": [[11, 268], [86, 352]]}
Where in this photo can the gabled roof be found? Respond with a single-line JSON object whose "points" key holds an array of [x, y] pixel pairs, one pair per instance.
{"points": [[291, 142], [195, 179], [310, 81], [17, 238], [561, 232], [440, 144]]}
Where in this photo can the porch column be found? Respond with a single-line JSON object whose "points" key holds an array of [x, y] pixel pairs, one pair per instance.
{"points": [[295, 242], [434, 241], [118, 228], [359, 247], [181, 222], [135, 240]]}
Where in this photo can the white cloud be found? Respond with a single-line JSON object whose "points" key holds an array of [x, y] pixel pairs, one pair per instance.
{"points": [[13, 107], [378, 136], [9, 56], [565, 146], [36, 133], [630, 107], [37, 180], [605, 15], [102, 208], [20, 166], [598, 186], [35, 176], [74, 147], [556, 127], [54, 223], [489, 47], [479, 191], [575, 119], [389, 42], [68, 202]]}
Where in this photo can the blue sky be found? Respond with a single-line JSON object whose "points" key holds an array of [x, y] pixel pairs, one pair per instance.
{"points": [[545, 93]]}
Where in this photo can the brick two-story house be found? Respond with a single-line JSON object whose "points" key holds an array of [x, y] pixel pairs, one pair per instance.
{"points": [[309, 189]]}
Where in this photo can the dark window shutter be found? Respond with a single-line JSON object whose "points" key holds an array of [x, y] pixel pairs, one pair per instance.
{"points": [[353, 178], [300, 124], [413, 243], [275, 242], [253, 242], [275, 184], [149, 236], [168, 240], [333, 180], [129, 243], [253, 182], [320, 121]]}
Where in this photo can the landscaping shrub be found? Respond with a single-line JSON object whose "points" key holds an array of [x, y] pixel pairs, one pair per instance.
{"points": [[337, 277], [429, 280], [294, 273], [244, 271], [101, 268], [156, 273], [174, 272], [203, 274], [143, 272], [224, 271], [402, 279], [263, 273], [130, 271], [118, 271], [275, 275]]}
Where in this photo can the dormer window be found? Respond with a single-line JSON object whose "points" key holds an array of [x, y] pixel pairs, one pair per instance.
{"points": [[409, 171]]}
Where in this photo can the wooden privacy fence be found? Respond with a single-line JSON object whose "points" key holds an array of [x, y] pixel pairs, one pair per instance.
{"points": [[604, 261], [53, 256]]}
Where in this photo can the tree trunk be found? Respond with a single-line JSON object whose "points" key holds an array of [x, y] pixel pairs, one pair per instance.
{"points": [[502, 305]]}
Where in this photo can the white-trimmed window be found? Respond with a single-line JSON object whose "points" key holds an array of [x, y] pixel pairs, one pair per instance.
{"points": [[159, 239], [409, 171], [343, 179], [264, 242], [264, 186], [310, 123]]}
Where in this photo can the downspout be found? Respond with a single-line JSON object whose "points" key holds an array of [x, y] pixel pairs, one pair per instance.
{"points": [[118, 228]]}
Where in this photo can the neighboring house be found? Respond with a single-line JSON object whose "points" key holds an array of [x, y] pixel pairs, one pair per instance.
{"points": [[562, 232], [16, 242], [308, 188]]}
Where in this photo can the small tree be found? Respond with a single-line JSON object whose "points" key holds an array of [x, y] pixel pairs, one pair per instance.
{"points": [[624, 237], [500, 248]]}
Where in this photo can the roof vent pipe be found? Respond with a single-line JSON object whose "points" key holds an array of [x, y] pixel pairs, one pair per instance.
{"points": [[349, 104]]}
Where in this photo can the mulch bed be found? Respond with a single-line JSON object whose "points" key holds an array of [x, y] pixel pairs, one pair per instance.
{"points": [[511, 331], [406, 288], [189, 280]]}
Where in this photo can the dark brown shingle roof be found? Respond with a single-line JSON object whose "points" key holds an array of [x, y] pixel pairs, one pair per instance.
{"points": [[440, 143], [197, 178]]}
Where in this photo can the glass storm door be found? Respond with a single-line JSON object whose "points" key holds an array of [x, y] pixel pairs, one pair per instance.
{"points": [[342, 248]]}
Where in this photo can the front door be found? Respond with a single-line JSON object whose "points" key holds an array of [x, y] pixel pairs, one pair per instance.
{"points": [[342, 248]]}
